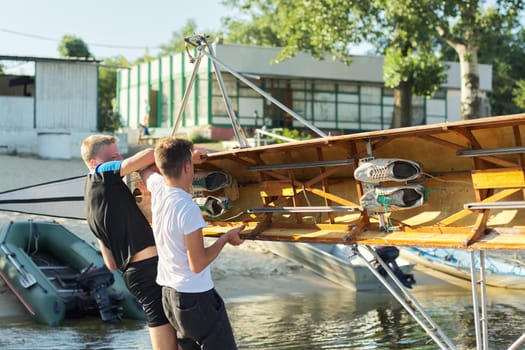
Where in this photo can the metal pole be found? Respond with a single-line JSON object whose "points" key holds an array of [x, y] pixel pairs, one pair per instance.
{"points": [[475, 301], [243, 143], [266, 95], [409, 296], [189, 87], [483, 286], [517, 344], [396, 295]]}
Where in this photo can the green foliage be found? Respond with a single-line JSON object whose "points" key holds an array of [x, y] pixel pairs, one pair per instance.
{"points": [[405, 31], [294, 134], [199, 138], [72, 46], [256, 24], [423, 68], [108, 119], [176, 43], [474, 30], [519, 94], [1, 68], [501, 44]]}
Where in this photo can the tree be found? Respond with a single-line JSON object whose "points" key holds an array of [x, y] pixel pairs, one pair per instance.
{"points": [[72, 46], [258, 28], [462, 25], [507, 69], [519, 94], [177, 45], [333, 27], [108, 118], [411, 65]]}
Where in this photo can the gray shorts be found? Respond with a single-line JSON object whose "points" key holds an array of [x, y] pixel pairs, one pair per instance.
{"points": [[200, 319]]}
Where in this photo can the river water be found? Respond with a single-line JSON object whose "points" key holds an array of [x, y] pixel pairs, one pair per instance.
{"points": [[316, 320]]}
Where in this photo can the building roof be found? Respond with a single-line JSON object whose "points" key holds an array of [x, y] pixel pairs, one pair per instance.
{"points": [[49, 59]]}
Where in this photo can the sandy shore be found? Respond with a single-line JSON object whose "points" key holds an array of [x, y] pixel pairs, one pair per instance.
{"points": [[240, 272]]}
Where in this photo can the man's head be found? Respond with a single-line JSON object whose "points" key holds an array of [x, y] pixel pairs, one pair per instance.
{"points": [[97, 149], [173, 157]]}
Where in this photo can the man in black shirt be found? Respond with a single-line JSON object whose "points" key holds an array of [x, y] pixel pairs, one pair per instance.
{"points": [[124, 235]]}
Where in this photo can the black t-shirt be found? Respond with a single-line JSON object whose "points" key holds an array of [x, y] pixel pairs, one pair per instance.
{"points": [[113, 215]]}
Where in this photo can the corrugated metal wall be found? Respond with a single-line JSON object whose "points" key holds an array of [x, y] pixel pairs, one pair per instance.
{"points": [[66, 96], [16, 113]]}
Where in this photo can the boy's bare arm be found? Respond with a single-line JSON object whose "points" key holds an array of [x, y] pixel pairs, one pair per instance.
{"points": [[109, 260], [137, 162], [146, 172], [199, 257]]}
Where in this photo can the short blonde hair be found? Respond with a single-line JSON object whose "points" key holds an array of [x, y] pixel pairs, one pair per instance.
{"points": [[92, 144]]}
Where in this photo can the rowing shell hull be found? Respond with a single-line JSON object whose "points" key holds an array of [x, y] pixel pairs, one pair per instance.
{"points": [[319, 174]]}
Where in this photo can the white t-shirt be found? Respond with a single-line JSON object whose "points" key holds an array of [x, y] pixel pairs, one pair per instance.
{"points": [[174, 215]]}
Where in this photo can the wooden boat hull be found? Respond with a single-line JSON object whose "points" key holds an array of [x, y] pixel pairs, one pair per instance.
{"points": [[295, 179], [501, 271], [333, 262], [31, 246]]}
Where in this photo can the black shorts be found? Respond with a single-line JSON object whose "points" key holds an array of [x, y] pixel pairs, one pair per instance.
{"points": [[200, 319], [140, 278]]}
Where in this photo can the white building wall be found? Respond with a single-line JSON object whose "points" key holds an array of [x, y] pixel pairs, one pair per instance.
{"points": [[454, 105], [16, 112], [258, 60], [66, 96]]}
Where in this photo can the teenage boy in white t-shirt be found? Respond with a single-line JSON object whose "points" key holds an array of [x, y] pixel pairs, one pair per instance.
{"points": [[189, 299]]}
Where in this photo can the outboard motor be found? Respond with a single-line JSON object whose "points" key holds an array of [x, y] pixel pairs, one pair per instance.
{"points": [[97, 280], [389, 255]]}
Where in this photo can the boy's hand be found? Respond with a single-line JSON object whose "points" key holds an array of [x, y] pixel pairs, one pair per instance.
{"points": [[199, 155], [233, 235]]}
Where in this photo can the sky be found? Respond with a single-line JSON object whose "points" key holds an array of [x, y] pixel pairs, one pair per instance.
{"points": [[35, 27]]}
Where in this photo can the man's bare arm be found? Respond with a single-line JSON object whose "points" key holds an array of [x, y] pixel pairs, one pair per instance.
{"points": [[137, 162], [109, 260]]}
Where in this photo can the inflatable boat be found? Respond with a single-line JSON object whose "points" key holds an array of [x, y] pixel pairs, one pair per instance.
{"points": [[56, 275]]}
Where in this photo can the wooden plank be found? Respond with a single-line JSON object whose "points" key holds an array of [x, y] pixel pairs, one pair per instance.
{"points": [[277, 188], [461, 214], [498, 178], [424, 237]]}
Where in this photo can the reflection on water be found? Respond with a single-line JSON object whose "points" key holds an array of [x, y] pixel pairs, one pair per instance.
{"points": [[87, 333], [328, 320]]}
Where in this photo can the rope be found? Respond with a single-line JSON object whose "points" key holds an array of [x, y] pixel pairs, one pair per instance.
{"points": [[385, 201], [451, 181]]}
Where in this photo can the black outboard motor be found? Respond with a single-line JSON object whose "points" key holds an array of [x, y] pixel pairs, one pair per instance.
{"points": [[389, 255], [96, 280]]}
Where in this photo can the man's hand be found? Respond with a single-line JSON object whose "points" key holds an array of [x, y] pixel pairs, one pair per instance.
{"points": [[233, 235], [199, 155]]}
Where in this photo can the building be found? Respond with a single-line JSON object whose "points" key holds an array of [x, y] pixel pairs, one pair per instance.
{"points": [[332, 96], [50, 111]]}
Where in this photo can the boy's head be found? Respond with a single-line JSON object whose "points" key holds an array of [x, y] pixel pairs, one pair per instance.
{"points": [[97, 149], [172, 155]]}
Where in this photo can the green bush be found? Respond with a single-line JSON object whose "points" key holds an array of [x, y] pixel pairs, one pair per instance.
{"points": [[294, 134], [108, 120], [199, 138]]}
